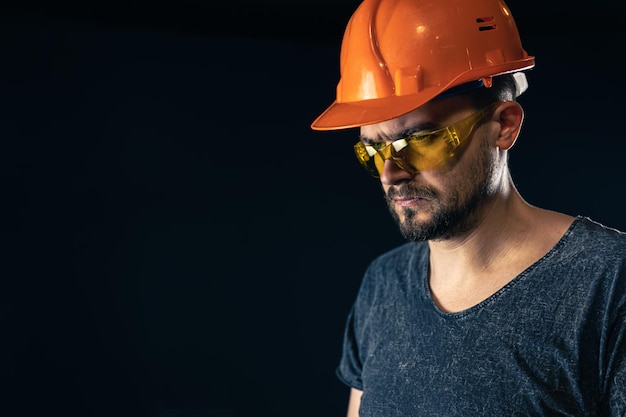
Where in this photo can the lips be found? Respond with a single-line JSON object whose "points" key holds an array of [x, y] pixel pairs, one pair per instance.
{"points": [[406, 195], [408, 201]]}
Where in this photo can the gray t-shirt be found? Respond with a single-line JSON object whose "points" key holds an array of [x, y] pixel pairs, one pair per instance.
{"points": [[552, 342]]}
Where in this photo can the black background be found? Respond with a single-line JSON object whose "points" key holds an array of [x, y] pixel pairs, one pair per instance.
{"points": [[176, 241]]}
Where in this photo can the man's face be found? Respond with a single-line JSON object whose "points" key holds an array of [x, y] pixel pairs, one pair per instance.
{"points": [[446, 201]]}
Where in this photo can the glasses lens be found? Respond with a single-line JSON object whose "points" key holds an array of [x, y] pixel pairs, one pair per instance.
{"points": [[368, 156], [429, 151]]}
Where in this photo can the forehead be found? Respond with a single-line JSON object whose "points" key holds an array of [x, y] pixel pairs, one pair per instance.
{"points": [[432, 115]]}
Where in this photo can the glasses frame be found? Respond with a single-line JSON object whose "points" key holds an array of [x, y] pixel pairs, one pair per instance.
{"points": [[420, 151]]}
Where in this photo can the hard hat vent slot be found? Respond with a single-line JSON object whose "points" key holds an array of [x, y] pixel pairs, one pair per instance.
{"points": [[486, 23]]}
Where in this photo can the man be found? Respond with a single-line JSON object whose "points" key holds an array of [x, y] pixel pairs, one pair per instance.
{"points": [[493, 307]]}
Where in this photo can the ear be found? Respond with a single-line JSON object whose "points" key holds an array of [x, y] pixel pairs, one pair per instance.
{"points": [[510, 115]]}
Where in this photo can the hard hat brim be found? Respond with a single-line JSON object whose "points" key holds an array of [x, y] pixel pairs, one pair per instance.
{"points": [[346, 115], [355, 114]]}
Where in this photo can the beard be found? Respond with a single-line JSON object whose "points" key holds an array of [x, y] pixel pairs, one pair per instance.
{"points": [[457, 216]]}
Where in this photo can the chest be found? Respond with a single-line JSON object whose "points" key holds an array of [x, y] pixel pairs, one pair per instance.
{"points": [[447, 365]]}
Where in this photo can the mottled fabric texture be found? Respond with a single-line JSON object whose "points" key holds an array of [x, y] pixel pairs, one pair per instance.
{"points": [[552, 342]]}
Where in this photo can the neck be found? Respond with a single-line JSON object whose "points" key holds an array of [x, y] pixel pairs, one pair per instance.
{"points": [[510, 235]]}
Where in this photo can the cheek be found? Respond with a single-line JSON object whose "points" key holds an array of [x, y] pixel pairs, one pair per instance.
{"points": [[459, 181]]}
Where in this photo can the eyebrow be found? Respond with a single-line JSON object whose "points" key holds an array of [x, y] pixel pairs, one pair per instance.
{"points": [[426, 128]]}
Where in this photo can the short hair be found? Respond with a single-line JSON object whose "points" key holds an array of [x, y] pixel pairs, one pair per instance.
{"points": [[503, 88]]}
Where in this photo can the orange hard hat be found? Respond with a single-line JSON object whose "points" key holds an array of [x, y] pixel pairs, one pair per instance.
{"points": [[397, 55]]}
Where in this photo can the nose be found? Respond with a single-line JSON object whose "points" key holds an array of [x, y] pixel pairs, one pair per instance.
{"points": [[392, 173]]}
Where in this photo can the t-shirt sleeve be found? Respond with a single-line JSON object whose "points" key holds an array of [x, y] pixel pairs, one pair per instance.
{"points": [[350, 366]]}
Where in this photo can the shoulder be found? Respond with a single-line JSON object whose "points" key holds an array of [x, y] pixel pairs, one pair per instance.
{"points": [[596, 239], [591, 260], [400, 256], [395, 270], [594, 226]]}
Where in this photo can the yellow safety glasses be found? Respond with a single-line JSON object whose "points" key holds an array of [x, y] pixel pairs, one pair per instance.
{"points": [[420, 151]]}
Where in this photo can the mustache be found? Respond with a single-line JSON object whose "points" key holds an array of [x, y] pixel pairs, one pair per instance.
{"points": [[410, 191]]}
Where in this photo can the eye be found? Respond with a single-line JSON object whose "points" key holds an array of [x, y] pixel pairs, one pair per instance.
{"points": [[377, 146], [421, 139]]}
